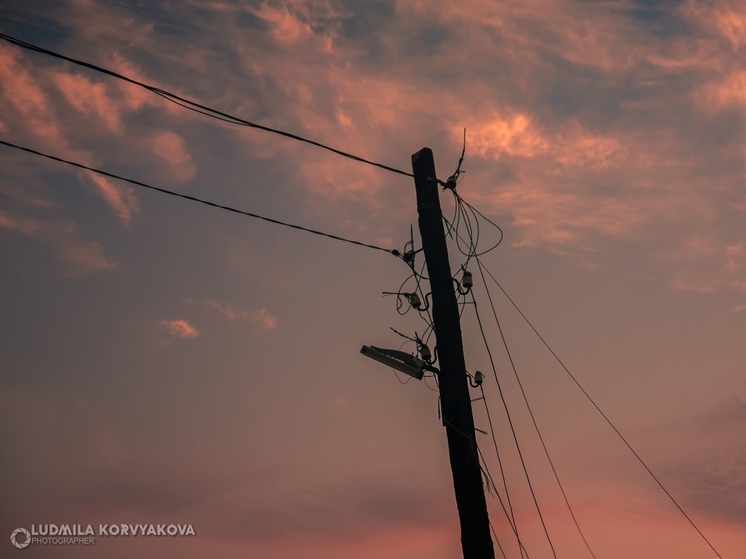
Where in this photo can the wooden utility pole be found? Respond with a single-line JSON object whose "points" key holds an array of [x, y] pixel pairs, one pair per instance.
{"points": [[476, 542]]}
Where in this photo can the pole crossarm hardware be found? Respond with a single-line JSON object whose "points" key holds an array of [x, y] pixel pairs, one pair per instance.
{"points": [[476, 542]]}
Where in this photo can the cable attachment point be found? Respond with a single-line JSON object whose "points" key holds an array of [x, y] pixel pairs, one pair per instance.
{"points": [[425, 354], [476, 380], [422, 348], [450, 183], [466, 280], [414, 300], [409, 251]]}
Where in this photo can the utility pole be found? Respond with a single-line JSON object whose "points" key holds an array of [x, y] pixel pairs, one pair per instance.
{"points": [[455, 400]]}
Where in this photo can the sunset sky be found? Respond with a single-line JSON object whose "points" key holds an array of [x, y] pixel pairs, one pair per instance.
{"points": [[163, 361]]}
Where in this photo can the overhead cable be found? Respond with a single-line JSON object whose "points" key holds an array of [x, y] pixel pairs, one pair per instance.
{"points": [[528, 407], [198, 107], [512, 428], [598, 409], [200, 200]]}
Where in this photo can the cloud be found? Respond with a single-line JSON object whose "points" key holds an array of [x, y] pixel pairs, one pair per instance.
{"points": [[260, 317], [584, 126], [713, 263], [89, 98], [170, 147], [134, 96], [726, 18], [229, 312], [286, 28], [121, 198], [512, 136], [179, 328], [517, 136], [25, 94], [709, 464], [728, 92], [264, 319], [77, 256]]}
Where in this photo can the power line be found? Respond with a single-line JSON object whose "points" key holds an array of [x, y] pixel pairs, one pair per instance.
{"points": [[512, 524], [472, 252], [528, 407], [200, 200], [598, 409], [512, 428], [502, 474], [198, 107]]}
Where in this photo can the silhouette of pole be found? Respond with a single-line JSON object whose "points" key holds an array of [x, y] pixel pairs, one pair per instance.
{"points": [[458, 420]]}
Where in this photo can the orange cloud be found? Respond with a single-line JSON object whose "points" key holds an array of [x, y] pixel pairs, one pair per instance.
{"points": [[169, 146], [513, 136], [229, 312], [135, 97], [710, 262], [28, 98], [729, 92], [518, 136], [122, 199], [286, 28], [264, 319], [726, 18], [84, 257], [260, 317], [79, 257], [180, 328], [89, 98]]}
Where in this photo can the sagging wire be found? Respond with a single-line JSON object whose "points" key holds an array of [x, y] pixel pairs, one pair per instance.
{"points": [[604, 416], [512, 524], [511, 518], [512, 428], [470, 217], [497, 540], [414, 298], [467, 218], [530, 411]]}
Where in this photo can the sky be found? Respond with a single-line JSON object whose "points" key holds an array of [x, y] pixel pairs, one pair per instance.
{"points": [[166, 362]]}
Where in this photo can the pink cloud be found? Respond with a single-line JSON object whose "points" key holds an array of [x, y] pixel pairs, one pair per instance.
{"points": [[28, 98], [512, 135], [89, 98], [179, 328], [84, 257], [731, 91], [687, 281], [79, 257], [135, 97], [260, 317], [170, 147], [264, 319], [518, 136], [286, 28], [229, 312], [121, 198], [726, 18], [708, 264]]}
